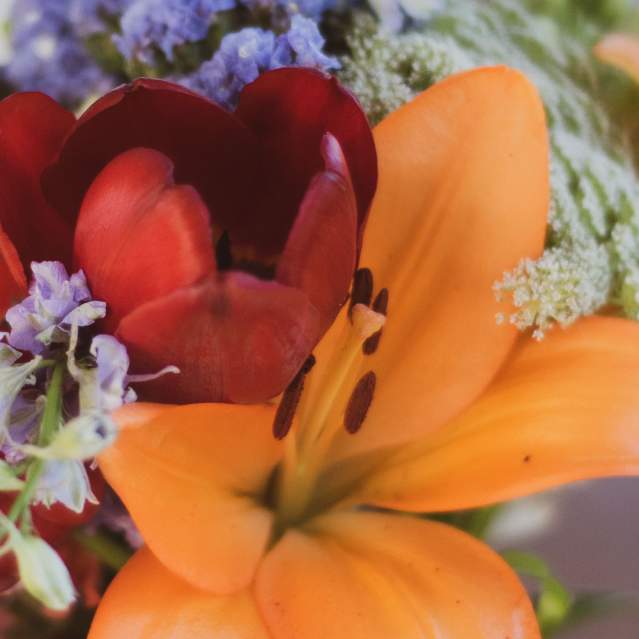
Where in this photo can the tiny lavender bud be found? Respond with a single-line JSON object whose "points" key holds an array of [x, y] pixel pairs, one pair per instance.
{"points": [[65, 481], [55, 303]]}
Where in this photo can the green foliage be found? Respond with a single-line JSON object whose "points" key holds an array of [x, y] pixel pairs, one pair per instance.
{"points": [[554, 602]]}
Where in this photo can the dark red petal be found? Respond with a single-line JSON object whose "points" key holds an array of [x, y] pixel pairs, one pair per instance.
{"points": [[210, 148], [234, 338], [32, 128], [290, 110], [13, 283], [140, 237], [319, 257]]}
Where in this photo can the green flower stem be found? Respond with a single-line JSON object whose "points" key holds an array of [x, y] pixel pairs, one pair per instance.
{"points": [[108, 551], [48, 427]]}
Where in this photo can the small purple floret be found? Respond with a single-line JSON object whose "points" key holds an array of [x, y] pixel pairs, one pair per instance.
{"points": [[55, 302]]}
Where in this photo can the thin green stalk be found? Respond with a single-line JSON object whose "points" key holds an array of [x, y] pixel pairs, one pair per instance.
{"points": [[109, 552], [48, 427]]}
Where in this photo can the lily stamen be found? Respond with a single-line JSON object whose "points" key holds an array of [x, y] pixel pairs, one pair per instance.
{"points": [[322, 413]]}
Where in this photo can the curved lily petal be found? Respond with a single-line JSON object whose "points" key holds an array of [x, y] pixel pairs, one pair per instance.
{"points": [[462, 197], [146, 601], [32, 129], [139, 236], [371, 576], [191, 476], [320, 253], [13, 281], [561, 410], [243, 339], [620, 50]]}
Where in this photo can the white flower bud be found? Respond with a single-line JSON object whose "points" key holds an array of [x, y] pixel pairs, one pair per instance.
{"points": [[42, 572]]}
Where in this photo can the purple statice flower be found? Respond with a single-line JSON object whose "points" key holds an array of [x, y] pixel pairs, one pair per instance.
{"points": [[48, 56], [310, 8], [148, 25], [241, 58], [243, 55], [305, 43], [88, 16], [55, 303]]}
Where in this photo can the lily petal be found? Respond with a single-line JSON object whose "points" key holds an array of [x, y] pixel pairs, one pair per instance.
{"points": [[139, 236], [372, 576], [561, 410], [319, 256], [243, 339], [196, 473], [147, 601], [32, 129], [13, 281], [462, 197], [620, 50]]}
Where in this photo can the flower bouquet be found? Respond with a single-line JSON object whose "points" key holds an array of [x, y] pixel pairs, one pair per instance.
{"points": [[300, 299]]}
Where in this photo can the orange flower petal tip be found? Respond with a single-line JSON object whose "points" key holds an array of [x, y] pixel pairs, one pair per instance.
{"points": [[621, 51], [138, 414]]}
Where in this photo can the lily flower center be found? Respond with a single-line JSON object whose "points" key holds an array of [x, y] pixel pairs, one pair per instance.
{"points": [[336, 397]]}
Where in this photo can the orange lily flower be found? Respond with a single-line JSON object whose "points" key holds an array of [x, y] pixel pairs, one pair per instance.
{"points": [[253, 537]]}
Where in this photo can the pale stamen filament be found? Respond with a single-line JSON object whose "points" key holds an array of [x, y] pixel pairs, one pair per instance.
{"points": [[319, 417]]}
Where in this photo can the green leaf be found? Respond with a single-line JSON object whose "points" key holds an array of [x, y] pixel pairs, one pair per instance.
{"points": [[554, 603]]}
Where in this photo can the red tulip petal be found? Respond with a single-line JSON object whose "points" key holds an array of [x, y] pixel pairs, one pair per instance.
{"points": [[32, 128], [140, 237], [13, 283], [210, 148], [290, 110], [234, 338], [319, 256]]}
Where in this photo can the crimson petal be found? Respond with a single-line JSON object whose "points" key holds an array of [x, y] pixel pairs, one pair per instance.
{"points": [[290, 110], [234, 338], [13, 283], [320, 253], [32, 128], [210, 148], [140, 237]]}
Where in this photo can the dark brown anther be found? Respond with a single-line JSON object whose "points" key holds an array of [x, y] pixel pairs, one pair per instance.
{"points": [[290, 400], [380, 305], [362, 288], [360, 402]]}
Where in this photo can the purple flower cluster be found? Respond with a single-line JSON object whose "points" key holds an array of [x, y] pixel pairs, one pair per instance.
{"points": [[55, 303], [50, 41], [242, 56], [48, 55], [165, 24]]}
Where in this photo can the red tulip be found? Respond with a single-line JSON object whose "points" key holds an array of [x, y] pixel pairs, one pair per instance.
{"points": [[223, 243]]}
